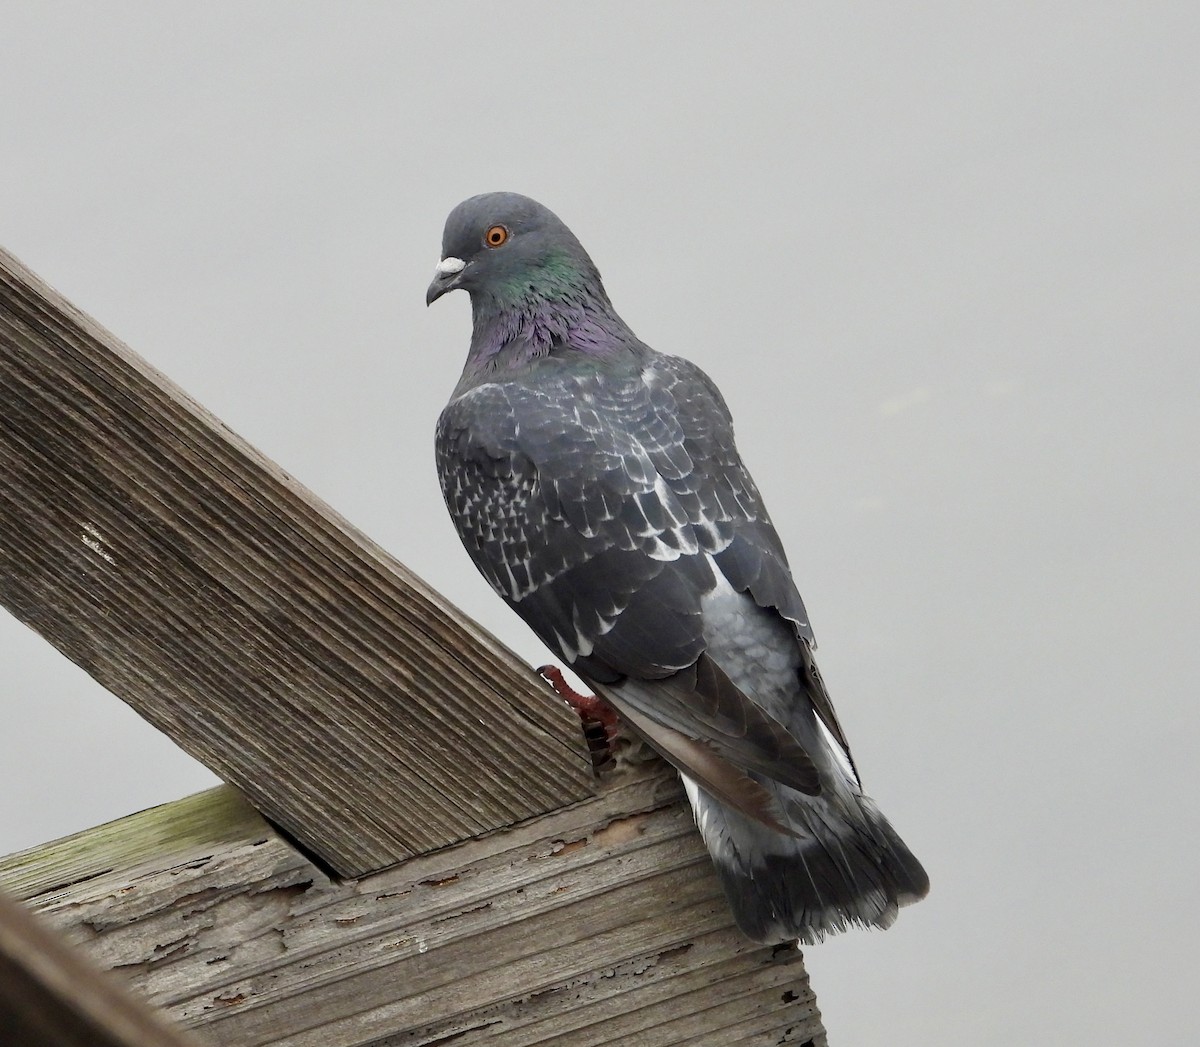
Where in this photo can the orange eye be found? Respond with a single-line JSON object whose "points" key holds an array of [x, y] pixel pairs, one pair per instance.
{"points": [[495, 236]]}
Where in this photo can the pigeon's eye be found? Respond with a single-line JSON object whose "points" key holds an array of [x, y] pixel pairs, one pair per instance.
{"points": [[495, 236]]}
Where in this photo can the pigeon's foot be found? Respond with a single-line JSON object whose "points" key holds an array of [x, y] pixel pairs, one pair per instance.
{"points": [[600, 724], [589, 706]]}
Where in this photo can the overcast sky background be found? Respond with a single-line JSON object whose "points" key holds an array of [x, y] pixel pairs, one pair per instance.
{"points": [[943, 259]]}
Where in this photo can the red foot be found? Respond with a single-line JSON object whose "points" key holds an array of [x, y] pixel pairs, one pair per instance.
{"points": [[600, 723], [589, 706]]}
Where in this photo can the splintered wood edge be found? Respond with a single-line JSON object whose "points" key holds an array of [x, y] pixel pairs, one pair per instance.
{"points": [[352, 703], [51, 995], [601, 923]]}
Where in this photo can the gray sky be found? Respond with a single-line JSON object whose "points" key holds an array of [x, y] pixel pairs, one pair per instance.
{"points": [[942, 259]]}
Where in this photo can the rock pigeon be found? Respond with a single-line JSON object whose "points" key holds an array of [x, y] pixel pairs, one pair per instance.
{"points": [[596, 485]]}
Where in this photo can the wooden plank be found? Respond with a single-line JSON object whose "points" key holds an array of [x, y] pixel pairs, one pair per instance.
{"points": [[243, 617], [602, 923], [50, 997], [200, 823]]}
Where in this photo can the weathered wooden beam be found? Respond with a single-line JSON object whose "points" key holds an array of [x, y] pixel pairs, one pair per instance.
{"points": [[51, 997], [602, 923], [243, 617]]}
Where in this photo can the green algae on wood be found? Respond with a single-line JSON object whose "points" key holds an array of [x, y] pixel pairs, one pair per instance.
{"points": [[186, 829]]}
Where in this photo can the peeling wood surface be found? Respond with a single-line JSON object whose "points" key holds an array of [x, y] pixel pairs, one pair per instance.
{"points": [[602, 923], [50, 997], [243, 617]]}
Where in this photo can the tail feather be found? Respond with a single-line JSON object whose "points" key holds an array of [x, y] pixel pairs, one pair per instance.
{"points": [[845, 866]]}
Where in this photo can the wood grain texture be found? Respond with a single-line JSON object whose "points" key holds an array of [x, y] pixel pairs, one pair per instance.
{"points": [[243, 617], [602, 923], [50, 997]]}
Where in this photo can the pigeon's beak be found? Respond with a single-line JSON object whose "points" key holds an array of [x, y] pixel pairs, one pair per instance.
{"points": [[449, 271]]}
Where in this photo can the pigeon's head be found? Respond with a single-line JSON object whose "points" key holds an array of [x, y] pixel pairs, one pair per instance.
{"points": [[507, 247]]}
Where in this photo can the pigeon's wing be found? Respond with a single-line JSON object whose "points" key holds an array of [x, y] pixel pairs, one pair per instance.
{"points": [[597, 505], [579, 502], [754, 561]]}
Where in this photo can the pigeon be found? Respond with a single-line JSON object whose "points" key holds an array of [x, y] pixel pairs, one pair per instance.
{"points": [[596, 485]]}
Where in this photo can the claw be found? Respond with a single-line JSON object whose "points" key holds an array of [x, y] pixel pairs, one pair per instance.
{"points": [[599, 719]]}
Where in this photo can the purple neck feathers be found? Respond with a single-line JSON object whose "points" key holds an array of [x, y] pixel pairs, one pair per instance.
{"points": [[511, 333]]}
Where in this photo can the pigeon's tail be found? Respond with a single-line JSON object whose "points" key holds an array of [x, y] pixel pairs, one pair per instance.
{"points": [[845, 865]]}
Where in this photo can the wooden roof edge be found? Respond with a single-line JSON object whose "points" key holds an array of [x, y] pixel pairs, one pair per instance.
{"points": [[603, 922], [238, 613]]}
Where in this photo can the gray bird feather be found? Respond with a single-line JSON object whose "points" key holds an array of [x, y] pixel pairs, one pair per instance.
{"points": [[596, 485]]}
